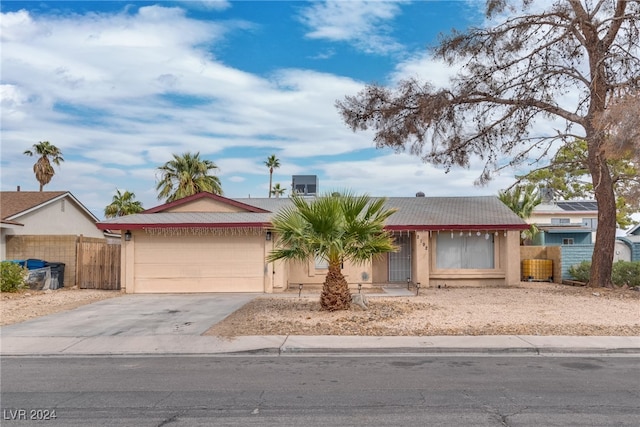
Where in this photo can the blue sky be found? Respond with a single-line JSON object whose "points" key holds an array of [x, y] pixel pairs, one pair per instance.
{"points": [[120, 86]]}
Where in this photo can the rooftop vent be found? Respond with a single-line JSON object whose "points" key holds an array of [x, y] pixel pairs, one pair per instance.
{"points": [[419, 194]]}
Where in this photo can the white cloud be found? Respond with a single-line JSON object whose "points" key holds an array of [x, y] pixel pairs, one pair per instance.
{"points": [[403, 175], [424, 67], [114, 92], [207, 4], [362, 23]]}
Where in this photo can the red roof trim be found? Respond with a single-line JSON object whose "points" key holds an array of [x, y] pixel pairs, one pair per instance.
{"points": [[426, 227], [204, 195], [492, 227], [122, 226]]}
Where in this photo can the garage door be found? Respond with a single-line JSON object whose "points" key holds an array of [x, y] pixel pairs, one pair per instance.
{"points": [[207, 263]]}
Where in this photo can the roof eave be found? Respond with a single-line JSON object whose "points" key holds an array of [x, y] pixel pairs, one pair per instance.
{"points": [[428, 227], [132, 226]]}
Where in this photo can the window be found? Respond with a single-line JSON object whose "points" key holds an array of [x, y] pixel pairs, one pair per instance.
{"points": [[455, 251], [567, 241], [321, 263], [560, 221], [591, 223]]}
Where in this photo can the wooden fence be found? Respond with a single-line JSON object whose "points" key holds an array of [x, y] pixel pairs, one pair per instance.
{"points": [[98, 265]]}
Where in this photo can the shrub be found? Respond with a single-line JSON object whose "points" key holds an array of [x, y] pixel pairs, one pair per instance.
{"points": [[581, 271], [626, 273], [12, 277]]}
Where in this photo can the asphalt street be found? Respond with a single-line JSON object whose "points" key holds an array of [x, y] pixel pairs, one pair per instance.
{"points": [[322, 390]]}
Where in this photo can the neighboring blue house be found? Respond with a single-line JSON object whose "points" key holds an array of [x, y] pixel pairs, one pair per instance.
{"points": [[551, 235], [565, 222], [632, 240]]}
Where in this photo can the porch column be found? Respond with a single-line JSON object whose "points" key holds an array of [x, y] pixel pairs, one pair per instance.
{"points": [[127, 269], [511, 258], [421, 259]]}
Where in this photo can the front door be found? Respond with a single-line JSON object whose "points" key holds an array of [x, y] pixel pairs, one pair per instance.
{"points": [[400, 262]]}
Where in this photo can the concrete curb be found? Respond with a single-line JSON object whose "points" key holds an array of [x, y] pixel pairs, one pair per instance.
{"points": [[181, 345]]}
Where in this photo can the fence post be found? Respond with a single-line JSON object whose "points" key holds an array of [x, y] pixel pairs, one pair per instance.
{"points": [[79, 260]]}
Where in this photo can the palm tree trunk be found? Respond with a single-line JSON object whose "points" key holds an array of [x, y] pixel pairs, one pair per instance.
{"points": [[270, 180], [335, 291]]}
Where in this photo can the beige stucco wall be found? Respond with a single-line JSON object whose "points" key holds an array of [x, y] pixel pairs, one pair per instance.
{"points": [[307, 274], [380, 269], [205, 205], [186, 264], [421, 257]]}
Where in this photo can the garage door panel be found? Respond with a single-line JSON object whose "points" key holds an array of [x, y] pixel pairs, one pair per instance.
{"points": [[172, 286], [195, 250], [199, 263], [204, 271]]}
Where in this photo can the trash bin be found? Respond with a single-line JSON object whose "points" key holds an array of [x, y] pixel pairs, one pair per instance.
{"points": [[39, 279], [57, 274], [33, 264]]}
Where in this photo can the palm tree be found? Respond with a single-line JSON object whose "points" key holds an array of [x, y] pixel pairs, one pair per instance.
{"points": [[272, 163], [522, 199], [42, 168], [278, 190], [335, 229], [123, 204], [187, 175]]}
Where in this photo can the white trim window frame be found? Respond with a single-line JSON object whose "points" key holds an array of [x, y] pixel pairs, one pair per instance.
{"points": [[321, 263], [465, 252]]}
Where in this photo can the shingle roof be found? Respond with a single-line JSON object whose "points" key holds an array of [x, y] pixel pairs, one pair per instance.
{"points": [[451, 213], [13, 203], [414, 213]]}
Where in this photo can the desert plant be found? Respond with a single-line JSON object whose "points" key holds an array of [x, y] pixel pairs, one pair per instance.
{"points": [[626, 273], [12, 277], [335, 229], [581, 271]]}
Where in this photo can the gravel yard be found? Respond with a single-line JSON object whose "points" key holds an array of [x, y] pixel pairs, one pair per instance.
{"points": [[21, 306], [528, 309]]}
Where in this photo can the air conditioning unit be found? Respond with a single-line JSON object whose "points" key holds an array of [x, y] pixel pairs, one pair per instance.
{"points": [[306, 185]]}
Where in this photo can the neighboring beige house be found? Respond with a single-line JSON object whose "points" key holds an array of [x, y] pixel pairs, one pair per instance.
{"points": [[209, 243], [565, 222], [44, 225]]}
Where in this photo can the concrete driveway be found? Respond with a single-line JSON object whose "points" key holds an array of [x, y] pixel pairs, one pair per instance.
{"points": [[127, 324]]}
